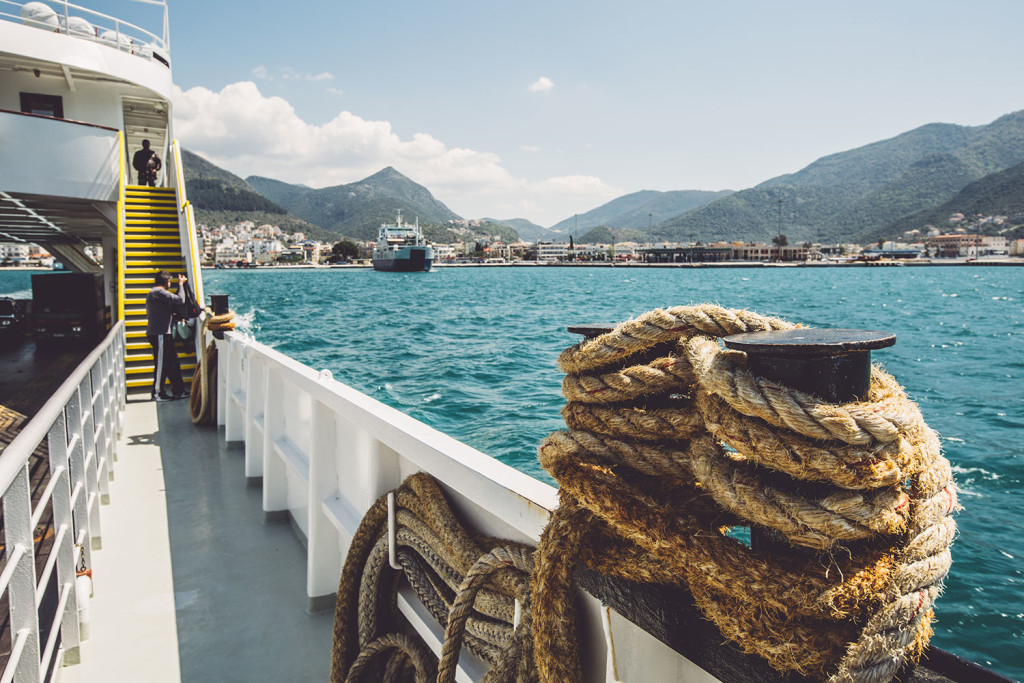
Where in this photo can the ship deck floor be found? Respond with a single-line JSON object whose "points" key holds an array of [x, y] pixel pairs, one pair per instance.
{"points": [[191, 584]]}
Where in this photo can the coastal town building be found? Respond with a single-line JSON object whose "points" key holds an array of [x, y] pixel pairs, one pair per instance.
{"points": [[953, 245], [686, 254], [967, 244], [246, 243], [552, 251], [444, 252]]}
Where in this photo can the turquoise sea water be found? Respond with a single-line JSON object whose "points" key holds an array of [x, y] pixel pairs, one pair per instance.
{"points": [[471, 351]]}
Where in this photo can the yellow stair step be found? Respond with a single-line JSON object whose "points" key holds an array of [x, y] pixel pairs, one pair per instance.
{"points": [[143, 199], [148, 383], [151, 266], [142, 191], [150, 369], [147, 362], [132, 255]]}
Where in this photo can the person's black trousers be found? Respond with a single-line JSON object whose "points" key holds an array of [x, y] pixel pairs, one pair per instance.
{"points": [[165, 355]]}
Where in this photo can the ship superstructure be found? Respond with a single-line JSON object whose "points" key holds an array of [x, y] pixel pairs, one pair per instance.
{"points": [[402, 248], [79, 93]]}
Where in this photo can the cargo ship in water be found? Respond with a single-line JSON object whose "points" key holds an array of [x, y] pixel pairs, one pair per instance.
{"points": [[402, 248]]}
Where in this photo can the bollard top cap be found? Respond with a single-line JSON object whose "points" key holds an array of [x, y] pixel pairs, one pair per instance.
{"points": [[592, 330], [810, 342]]}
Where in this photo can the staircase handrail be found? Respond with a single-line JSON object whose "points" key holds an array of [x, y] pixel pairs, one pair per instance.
{"points": [[121, 197], [187, 230]]}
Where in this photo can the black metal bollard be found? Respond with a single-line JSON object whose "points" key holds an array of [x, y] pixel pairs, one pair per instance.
{"points": [[219, 304], [834, 365]]}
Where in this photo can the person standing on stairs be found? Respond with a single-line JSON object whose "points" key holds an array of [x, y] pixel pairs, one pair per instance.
{"points": [[161, 306], [147, 163]]}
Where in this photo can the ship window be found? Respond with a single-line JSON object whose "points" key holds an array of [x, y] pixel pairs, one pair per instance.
{"points": [[47, 105]]}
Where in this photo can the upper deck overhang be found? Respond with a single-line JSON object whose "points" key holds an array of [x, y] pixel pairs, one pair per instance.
{"points": [[79, 60]]}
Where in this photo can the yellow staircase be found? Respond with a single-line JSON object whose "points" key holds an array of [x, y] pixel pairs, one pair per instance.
{"points": [[151, 243]]}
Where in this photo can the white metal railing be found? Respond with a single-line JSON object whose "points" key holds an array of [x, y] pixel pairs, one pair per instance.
{"points": [[81, 22], [325, 452], [79, 424]]}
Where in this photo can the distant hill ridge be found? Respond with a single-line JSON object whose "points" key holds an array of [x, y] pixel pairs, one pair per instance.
{"points": [[638, 209], [996, 194], [853, 195], [358, 209], [874, 191], [220, 197]]}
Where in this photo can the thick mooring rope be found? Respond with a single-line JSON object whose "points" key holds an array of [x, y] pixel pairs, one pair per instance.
{"points": [[203, 394], [468, 583], [859, 491]]}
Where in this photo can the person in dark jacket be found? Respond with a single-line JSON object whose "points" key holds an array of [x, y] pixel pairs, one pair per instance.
{"points": [[161, 306], [147, 163]]}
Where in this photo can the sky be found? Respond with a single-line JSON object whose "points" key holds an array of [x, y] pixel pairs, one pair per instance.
{"points": [[541, 110]]}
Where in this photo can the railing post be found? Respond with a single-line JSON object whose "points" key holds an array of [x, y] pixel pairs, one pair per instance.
{"points": [[91, 460], [255, 418], [92, 494], [323, 551], [61, 504], [223, 361], [110, 406], [21, 591], [234, 426], [78, 481], [99, 430], [275, 475], [121, 379]]}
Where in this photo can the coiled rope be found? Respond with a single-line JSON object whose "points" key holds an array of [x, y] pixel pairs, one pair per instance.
{"points": [[203, 392], [468, 583], [671, 442]]}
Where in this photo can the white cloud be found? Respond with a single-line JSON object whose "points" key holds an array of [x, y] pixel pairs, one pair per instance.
{"points": [[249, 133], [335, 91], [287, 73], [542, 84], [530, 148]]}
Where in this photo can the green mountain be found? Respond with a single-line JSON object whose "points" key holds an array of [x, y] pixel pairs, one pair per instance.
{"points": [[358, 209], [527, 230], [853, 195], [211, 187], [219, 197], [997, 194], [638, 210], [602, 234]]}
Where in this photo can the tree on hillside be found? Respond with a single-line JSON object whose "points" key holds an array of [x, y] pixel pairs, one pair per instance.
{"points": [[780, 240]]}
